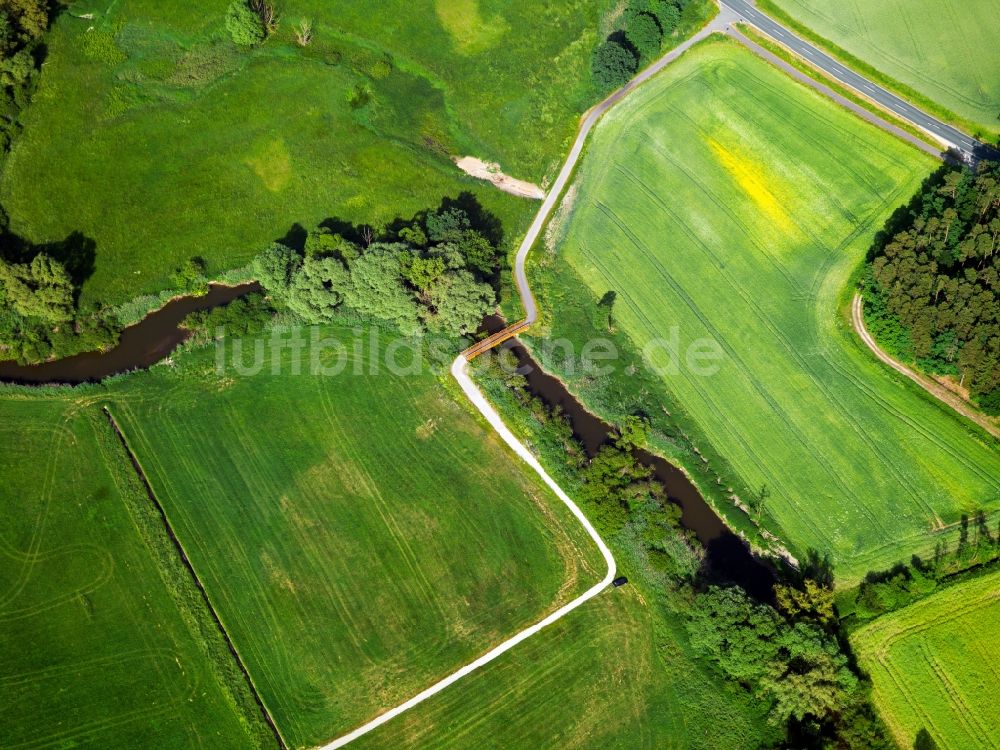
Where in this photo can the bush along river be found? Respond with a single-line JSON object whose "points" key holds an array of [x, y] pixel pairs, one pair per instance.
{"points": [[728, 558], [142, 345]]}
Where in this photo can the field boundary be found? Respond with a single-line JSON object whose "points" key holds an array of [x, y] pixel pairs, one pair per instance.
{"points": [[459, 370], [939, 392], [185, 560], [869, 70]]}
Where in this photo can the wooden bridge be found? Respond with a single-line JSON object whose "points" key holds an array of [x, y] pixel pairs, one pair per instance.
{"points": [[495, 340]]}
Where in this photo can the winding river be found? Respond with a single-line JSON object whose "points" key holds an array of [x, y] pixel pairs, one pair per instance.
{"points": [[142, 345]]}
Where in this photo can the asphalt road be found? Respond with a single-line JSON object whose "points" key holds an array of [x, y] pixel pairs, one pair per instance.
{"points": [[946, 133]]}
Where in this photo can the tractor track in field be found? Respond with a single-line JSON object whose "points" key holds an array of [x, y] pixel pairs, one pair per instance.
{"points": [[144, 480], [730, 12], [459, 371], [928, 384]]}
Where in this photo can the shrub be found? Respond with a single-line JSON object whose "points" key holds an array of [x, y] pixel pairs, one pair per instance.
{"points": [[643, 33], [190, 276], [612, 65], [244, 25]]}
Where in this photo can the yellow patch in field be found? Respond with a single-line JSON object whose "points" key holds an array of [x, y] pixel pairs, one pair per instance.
{"points": [[470, 32], [272, 163], [751, 177]]}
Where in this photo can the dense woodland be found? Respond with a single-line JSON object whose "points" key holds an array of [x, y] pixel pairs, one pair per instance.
{"points": [[932, 287]]}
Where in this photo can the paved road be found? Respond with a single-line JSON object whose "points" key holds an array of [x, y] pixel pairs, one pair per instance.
{"points": [[950, 136], [928, 384], [875, 119]]}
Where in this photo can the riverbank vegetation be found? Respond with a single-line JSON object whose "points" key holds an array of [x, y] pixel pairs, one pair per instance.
{"points": [[760, 394], [39, 315], [157, 137], [324, 492], [438, 272], [932, 284]]}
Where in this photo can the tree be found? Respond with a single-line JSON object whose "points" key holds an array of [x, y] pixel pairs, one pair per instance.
{"points": [[759, 500], [458, 303], [41, 289], [643, 32], [323, 241], [245, 27], [276, 267], [633, 432], [667, 13], [447, 224], [318, 289], [812, 602], [478, 253], [377, 289], [924, 741], [30, 18], [190, 276], [798, 668], [422, 272], [612, 65]]}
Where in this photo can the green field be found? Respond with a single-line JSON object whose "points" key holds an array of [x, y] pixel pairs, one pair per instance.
{"points": [[609, 675], [618, 672], [99, 647], [159, 140], [360, 535], [945, 50], [728, 201], [934, 666]]}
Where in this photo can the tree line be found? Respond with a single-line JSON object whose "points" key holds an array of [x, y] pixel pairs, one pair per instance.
{"points": [[635, 42], [977, 546], [785, 653], [23, 23], [932, 283], [437, 272]]}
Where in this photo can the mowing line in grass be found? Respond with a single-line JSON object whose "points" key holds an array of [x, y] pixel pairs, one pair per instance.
{"points": [[194, 576]]}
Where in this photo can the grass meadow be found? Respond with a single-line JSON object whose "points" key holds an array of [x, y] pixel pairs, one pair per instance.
{"points": [[934, 666], [618, 672], [613, 674], [360, 535], [944, 50], [100, 645], [728, 201], [158, 139]]}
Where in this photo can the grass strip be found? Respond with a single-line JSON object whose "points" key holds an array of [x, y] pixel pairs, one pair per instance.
{"points": [[240, 687]]}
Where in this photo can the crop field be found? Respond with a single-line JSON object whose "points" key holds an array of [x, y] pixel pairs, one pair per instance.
{"points": [[725, 203], [360, 535], [934, 666], [154, 139], [602, 677], [99, 646], [945, 50]]}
